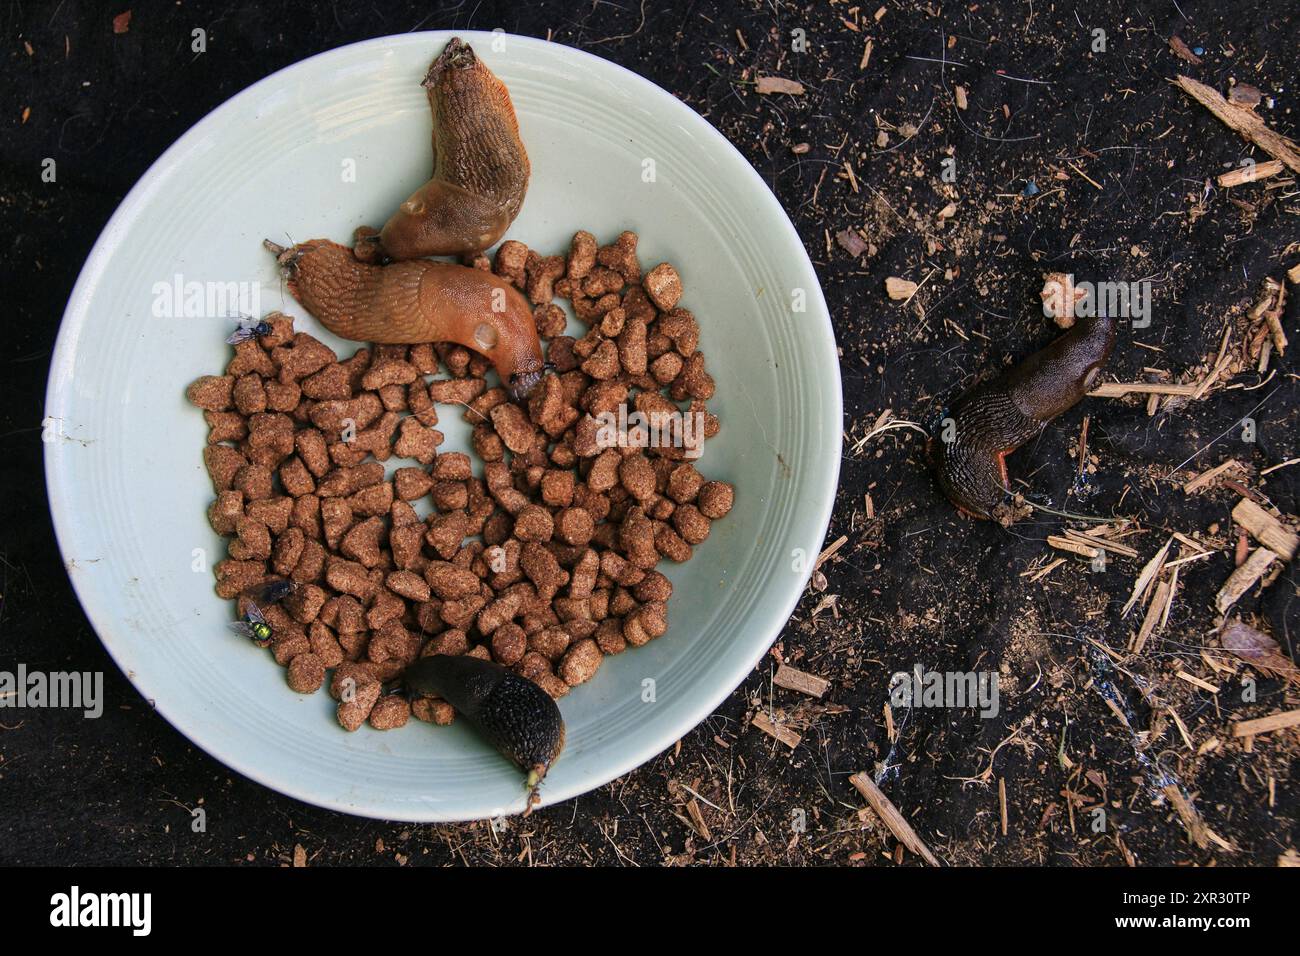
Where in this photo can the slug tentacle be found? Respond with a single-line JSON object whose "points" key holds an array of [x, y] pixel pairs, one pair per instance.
{"points": [[417, 301], [480, 166], [996, 418]]}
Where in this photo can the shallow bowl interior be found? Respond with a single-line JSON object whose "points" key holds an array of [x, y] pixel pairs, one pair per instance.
{"points": [[313, 151]]}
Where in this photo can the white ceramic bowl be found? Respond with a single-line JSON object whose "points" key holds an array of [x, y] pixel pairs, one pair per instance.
{"points": [[128, 489]]}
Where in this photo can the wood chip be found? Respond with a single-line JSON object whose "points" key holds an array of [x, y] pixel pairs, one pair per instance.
{"points": [[1271, 304], [1182, 727], [1155, 612], [866, 55], [1090, 538], [830, 549], [697, 819], [1074, 547], [1119, 714], [778, 84], [1250, 173], [1266, 725], [1243, 122], [1266, 529], [1043, 572], [1197, 682], [853, 180], [1206, 478], [1187, 813], [1146, 576], [783, 734], [897, 288], [1244, 578], [1120, 389], [891, 817], [793, 679], [959, 94], [1180, 47]]}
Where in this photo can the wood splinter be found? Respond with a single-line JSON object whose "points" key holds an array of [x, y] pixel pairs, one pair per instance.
{"points": [[891, 817]]}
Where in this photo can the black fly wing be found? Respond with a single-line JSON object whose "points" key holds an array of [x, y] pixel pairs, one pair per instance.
{"points": [[272, 592]]}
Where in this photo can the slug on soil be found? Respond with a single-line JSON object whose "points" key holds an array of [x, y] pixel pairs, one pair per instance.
{"points": [[417, 301], [480, 167], [514, 714], [995, 419]]}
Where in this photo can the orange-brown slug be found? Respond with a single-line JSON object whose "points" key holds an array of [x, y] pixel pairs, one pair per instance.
{"points": [[996, 418], [480, 166], [417, 301]]}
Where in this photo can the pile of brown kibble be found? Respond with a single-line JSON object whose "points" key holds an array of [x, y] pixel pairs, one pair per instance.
{"points": [[544, 564]]}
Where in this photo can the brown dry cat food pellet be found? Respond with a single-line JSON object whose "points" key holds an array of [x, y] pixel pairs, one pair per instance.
{"points": [[664, 286], [509, 642], [690, 524], [409, 585], [353, 713], [580, 662], [306, 673], [390, 712], [715, 499], [534, 523], [684, 483], [211, 392], [645, 623], [349, 677], [653, 587], [571, 528], [574, 526], [449, 581], [432, 711], [324, 644]]}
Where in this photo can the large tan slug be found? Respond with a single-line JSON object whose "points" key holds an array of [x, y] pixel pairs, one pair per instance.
{"points": [[417, 301], [995, 419], [480, 167]]}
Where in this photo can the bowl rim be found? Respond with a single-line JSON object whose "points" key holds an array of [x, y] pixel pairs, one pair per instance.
{"points": [[104, 620]]}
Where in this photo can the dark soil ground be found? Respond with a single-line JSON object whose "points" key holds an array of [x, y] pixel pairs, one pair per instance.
{"points": [[1121, 165]]}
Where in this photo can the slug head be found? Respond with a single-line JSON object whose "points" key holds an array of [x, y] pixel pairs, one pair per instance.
{"points": [[522, 382], [456, 55]]}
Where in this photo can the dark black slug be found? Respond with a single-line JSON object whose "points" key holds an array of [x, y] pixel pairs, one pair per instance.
{"points": [[515, 715]]}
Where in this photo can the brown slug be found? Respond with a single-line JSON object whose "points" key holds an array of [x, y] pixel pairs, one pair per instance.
{"points": [[996, 418], [417, 301], [480, 167], [516, 716]]}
